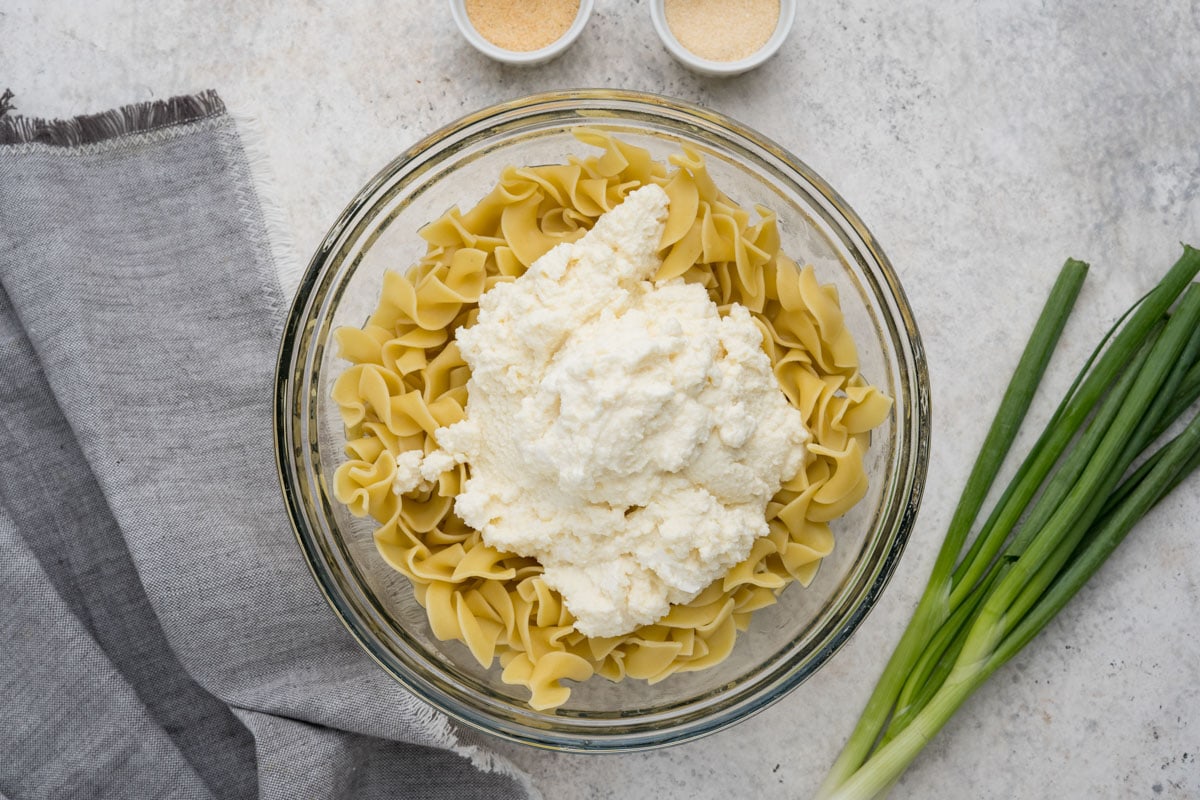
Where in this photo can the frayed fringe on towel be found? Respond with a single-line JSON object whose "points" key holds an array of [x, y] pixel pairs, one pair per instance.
{"points": [[92, 128]]}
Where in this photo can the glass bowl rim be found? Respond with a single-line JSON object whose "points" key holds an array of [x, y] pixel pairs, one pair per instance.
{"points": [[438, 690]]}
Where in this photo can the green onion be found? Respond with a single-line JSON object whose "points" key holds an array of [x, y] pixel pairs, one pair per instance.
{"points": [[1091, 475]]}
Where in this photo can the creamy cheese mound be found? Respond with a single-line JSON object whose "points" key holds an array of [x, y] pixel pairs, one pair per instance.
{"points": [[620, 431]]}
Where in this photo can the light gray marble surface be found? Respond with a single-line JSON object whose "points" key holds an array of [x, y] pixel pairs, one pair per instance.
{"points": [[982, 142]]}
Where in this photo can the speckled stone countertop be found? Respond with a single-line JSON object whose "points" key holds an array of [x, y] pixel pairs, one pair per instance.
{"points": [[982, 143]]}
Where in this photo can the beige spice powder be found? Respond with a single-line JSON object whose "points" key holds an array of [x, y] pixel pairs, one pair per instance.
{"points": [[522, 25], [722, 30]]}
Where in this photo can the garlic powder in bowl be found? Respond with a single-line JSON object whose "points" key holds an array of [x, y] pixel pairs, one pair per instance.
{"points": [[521, 32], [722, 37]]}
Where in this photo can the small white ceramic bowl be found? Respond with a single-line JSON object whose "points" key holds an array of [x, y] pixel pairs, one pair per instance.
{"points": [[787, 15], [529, 58]]}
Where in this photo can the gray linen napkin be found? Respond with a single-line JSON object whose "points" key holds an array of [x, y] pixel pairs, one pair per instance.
{"points": [[160, 635]]}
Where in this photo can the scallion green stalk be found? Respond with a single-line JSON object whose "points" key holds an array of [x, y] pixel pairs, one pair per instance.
{"points": [[933, 609], [1072, 501]]}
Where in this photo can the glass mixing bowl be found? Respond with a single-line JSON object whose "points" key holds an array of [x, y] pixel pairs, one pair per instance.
{"points": [[786, 642]]}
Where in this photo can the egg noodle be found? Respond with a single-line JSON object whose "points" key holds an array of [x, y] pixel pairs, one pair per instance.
{"points": [[408, 379]]}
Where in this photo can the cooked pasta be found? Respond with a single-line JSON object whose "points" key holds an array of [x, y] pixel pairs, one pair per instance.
{"points": [[408, 379]]}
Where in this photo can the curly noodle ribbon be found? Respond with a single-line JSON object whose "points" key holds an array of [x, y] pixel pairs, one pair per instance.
{"points": [[408, 378]]}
